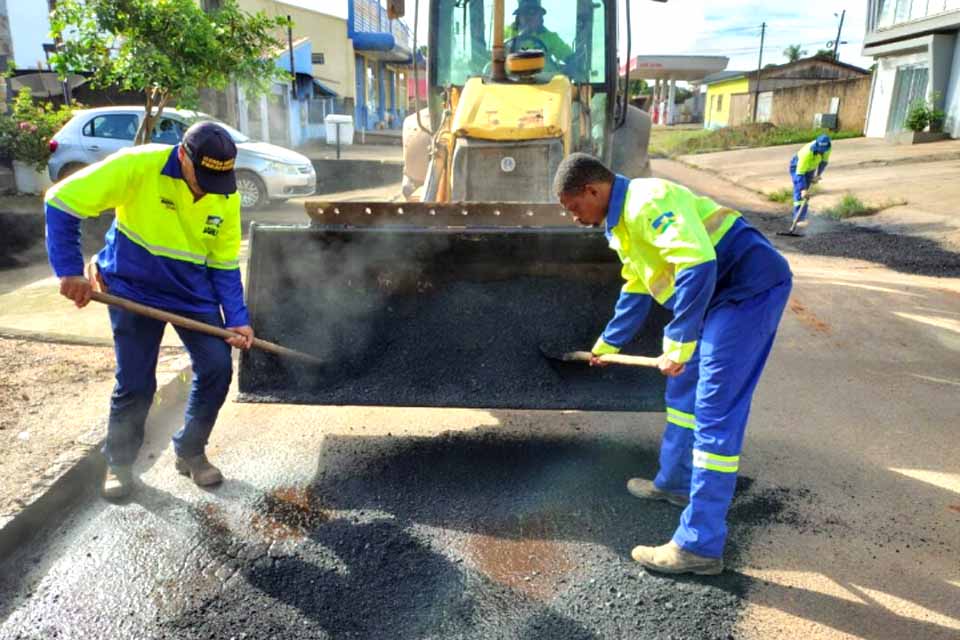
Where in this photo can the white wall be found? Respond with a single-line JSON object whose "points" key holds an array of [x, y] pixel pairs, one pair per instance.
{"points": [[952, 96], [29, 29], [883, 84]]}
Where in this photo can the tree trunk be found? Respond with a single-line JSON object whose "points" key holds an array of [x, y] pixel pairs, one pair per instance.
{"points": [[150, 116]]}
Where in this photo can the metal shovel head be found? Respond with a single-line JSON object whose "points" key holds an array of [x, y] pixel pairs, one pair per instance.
{"points": [[438, 317]]}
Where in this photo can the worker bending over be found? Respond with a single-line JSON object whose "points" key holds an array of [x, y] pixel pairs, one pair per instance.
{"points": [[806, 167], [727, 287], [174, 244]]}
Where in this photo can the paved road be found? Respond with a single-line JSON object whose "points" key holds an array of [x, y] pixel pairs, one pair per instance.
{"points": [[364, 522]]}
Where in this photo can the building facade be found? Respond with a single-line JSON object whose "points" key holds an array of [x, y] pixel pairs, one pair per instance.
{"points": [[917, 53], [789, 94], [383, 55], [721, 88]]}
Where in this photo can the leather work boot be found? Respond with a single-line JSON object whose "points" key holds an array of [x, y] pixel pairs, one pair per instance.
{"points": [[670, 558], [200, 470], [117, 483], [646, 490]]}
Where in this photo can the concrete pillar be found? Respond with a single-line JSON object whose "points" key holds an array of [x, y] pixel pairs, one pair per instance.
{"points": [[671, 96], [655, 101]]}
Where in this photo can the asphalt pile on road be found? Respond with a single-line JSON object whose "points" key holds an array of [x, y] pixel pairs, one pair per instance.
{"points": [[462, 343], [900, 252], [479, 535]]}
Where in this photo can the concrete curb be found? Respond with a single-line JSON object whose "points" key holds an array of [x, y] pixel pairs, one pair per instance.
{"points": [[79, 470]]}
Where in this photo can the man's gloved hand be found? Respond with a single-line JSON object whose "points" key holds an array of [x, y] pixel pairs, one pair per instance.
{"points": [[804, 194], [816, 179]]}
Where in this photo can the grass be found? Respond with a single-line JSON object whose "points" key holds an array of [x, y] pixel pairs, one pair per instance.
{"points": [[851, 206], [785, 195], [670, 143]]}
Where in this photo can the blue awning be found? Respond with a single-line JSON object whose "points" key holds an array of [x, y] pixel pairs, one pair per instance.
{"points": [[302, 57]]}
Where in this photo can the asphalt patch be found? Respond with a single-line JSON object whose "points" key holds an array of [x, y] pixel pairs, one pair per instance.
{"points": [[839, 239], [474, 536]]}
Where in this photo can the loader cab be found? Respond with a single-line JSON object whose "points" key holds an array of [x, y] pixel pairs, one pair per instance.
{"points": [[578, 38]]}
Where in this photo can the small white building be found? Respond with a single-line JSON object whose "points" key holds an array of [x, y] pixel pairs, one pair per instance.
{"points": [[917, 51]]}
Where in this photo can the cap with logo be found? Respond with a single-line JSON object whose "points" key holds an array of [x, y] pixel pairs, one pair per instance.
{"points": [[213, 153]]}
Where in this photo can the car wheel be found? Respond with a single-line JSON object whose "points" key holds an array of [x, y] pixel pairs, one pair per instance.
{"points": [[69, 169], [253, 193]]}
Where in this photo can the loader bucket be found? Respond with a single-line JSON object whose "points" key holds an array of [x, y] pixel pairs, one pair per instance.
{"points": [[410, 306]]}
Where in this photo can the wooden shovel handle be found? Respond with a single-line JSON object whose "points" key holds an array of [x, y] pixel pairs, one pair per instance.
{"points": [[614, 358], [196, 325]]}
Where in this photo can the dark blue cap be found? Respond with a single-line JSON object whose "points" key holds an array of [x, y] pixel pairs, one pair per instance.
{"points": [[823, 142], [529, 6], [213, 153]]}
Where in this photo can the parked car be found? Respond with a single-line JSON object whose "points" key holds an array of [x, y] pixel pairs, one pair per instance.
{"points": [[265, 171]]}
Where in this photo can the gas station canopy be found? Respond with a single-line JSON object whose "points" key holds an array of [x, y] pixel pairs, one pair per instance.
{"points": [[686, 68]]}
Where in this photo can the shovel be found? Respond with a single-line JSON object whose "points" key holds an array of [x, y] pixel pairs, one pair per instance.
{"points": [[792, 232], [610, 358], [195, 325]]}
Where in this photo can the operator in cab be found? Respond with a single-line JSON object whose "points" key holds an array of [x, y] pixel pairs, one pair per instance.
{"points": [[528, 32]]}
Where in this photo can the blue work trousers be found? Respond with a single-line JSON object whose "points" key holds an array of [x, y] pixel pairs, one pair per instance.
{"points": [[800, 182], [707, 409], [136, 341]]}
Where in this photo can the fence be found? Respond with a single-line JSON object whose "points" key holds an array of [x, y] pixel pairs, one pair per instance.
{"points": [[320, 108]]}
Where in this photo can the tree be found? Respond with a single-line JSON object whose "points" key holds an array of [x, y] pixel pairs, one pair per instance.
{"points": [[168, 49], [824, 53], [794, 52], [638, 87]]}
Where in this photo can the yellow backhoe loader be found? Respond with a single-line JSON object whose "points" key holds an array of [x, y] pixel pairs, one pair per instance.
{"points": [[450, 297]]}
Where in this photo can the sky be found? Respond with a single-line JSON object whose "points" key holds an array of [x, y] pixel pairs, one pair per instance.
{"points": [[712, 27], [732, 28]]}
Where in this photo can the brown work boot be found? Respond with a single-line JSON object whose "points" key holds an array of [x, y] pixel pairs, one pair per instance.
{"points": [[200, 470], [646, 490], [117, 483], [670, 558]]}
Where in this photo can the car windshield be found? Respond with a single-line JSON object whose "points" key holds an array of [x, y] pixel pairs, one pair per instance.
{"points": [[572, 40]]}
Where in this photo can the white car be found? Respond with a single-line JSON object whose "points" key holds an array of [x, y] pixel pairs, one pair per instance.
{"points": [[265, 171]]}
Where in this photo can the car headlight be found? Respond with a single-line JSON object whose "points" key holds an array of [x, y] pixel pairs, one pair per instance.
{"points": [[280, 167]]}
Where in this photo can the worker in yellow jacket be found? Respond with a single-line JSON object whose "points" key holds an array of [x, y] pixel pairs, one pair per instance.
{"points": [[174, 244], [727, 287]]}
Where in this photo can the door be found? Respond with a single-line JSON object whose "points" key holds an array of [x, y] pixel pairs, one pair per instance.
{"points": [[106, 133], [765, 106], [909, 86]]}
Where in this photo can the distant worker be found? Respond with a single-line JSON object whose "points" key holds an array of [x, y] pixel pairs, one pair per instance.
{"points": [[528, 32], [727, 288], [806, 167], [174, 244]]}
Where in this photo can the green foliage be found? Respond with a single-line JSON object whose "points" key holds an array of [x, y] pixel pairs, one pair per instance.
{"points": [[794, 52], [923, 114], [638, 87], [750, 136], [25, 131], [850, 206], [781, 195], [824, 53], [918, 118], [168, 49]]}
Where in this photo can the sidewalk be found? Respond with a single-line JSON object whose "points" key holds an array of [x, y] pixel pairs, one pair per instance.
{"points": [[378, 152], [923, 176]]}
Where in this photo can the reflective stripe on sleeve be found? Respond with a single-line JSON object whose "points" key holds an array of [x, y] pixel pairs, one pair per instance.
{"points": [[230, 264], [60, 204]]}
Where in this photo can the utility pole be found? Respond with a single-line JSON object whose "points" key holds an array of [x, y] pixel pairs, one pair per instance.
{"points": [[756, 89], [836, 43]]}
